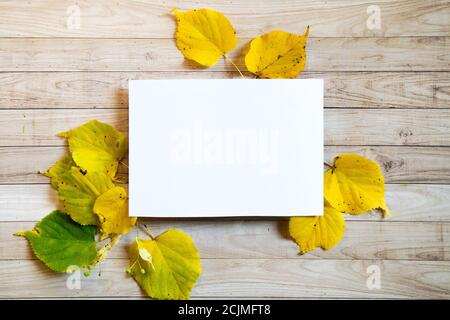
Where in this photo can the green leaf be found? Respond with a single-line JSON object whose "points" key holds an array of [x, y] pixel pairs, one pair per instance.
{"points": [[60, 243], [58, 169], [96, 146], [79, 191], [167, 267]]}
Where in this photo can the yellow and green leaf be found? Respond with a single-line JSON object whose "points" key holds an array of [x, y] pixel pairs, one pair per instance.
{"points": [[167, 267], [78, 190], [58, 169], [96, 147], [112, 209]]}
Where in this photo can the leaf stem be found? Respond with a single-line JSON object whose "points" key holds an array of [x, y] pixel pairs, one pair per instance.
{"points": [[101, 254], [231, 61], [328, 165], [147, 230]]}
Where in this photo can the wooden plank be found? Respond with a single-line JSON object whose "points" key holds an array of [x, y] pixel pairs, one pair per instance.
{"points": [[399, 164], [151, 18], [408, 202], [324, 54], [265, 239], [25, 164], [29, 127], [286, 278], [110, 89], [342, 126]]}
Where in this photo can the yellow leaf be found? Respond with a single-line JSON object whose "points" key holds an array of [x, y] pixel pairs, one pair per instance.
{"points": [[145, 255], [355, 185], [79, 190], [112, 210], [96, 146], [167, 267], [321, 231], [58, 169], [204, 35], [277, 54]]}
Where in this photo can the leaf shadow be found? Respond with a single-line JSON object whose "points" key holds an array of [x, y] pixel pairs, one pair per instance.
{"points": [[283, 229], [121, 98]]}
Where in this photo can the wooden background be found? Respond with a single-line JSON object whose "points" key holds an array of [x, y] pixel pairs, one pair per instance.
{"points": [[387, 97]]}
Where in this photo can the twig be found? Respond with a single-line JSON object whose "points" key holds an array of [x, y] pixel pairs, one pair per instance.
{"points": [[328, 165], [231, 61], [147, 230], [103, 251]]}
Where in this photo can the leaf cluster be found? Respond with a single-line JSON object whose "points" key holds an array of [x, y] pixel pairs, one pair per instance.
{"points": [[96, 210]]}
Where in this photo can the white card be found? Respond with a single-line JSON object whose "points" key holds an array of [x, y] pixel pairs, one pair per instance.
{"points": [[210, 148]]}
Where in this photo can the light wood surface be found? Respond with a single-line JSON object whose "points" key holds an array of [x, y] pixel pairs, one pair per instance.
{"points": [[279, 278], [400, 164], [150, 19], [342, 126], [375, 90], [323, 54], [387, 97]]}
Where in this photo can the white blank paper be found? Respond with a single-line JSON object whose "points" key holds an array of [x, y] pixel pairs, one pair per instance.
{"points": [[208, 148]]}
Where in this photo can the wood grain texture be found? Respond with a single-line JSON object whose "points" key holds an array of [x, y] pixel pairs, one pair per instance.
{"points": [[324, 54], [39, 90], [408, 202], [387, 97], [342, 126], [289, 278], [399, 164], [225, 239], [152, 19]]}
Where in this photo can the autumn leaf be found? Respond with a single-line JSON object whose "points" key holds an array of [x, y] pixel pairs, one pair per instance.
{"points": [[78, 190], [204, 35], [112, 210], [58, 169], [96, 146], [61, 243], [277, 54], [321, 231], [166, 267], [355, 185]]}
